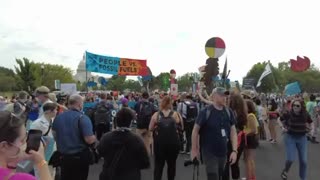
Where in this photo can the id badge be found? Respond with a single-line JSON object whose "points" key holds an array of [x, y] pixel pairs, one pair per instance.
{"points": [[223, 133]]}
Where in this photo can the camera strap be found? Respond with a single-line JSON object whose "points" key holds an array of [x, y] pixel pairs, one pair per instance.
{"points": [[195, 176]]}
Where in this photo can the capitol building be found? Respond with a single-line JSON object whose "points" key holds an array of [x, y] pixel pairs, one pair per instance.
{"points": [[81, 72]]}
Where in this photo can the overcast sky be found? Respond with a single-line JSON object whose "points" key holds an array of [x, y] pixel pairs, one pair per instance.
{"points": [[170, 34]]}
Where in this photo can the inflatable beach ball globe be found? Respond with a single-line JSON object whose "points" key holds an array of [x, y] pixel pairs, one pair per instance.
{"points": [[215, 47]]}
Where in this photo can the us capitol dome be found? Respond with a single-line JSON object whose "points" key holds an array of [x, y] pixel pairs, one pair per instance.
{"points": [[81, 72]]}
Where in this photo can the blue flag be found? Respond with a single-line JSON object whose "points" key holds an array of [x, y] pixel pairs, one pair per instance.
{"points": [[102, 64], [292, 89]]}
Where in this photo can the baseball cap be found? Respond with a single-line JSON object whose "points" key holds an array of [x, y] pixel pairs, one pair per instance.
{"points": [[220, 91], [42, 90]]}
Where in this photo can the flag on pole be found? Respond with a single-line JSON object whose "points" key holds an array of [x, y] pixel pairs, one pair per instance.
{"points": [[266, 72]]}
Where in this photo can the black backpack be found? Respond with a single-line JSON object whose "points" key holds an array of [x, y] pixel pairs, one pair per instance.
{"points": [[146, 110], [102, 116], [166, 132], [192, 111]]}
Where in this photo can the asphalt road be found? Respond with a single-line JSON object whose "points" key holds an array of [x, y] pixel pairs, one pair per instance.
{"points": [[270, 160]]}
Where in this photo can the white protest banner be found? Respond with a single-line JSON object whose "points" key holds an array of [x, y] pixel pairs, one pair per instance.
{"points": [[174, 89], [69, 88]]}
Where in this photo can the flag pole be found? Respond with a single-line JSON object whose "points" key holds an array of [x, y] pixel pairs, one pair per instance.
{"points": [[85, 61], [273, 78]]}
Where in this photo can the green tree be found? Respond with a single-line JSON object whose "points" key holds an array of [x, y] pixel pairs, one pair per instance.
{"points": [[185, 82], [25, 75], [268, 84], [50, 73], [7, 79], [132, 85], [116, 83], [283, 75], [163, 80]]}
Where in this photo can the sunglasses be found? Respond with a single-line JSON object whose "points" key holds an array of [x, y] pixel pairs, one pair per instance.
{"points": [[297, 105]]}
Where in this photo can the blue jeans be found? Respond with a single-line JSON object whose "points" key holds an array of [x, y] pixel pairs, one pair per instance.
{"points": [[293, 144]]}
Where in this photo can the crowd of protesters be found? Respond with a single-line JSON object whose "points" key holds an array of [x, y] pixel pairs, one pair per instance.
{"points": [[127, 129]]}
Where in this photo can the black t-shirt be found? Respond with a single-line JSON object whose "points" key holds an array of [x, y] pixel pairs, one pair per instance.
{"points": [[130, 152]]}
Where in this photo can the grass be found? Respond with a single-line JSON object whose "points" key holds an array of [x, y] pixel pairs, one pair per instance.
{"points": [[8, 94]]}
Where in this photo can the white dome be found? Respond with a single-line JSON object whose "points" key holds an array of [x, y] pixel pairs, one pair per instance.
{"points": [[81, 72]]}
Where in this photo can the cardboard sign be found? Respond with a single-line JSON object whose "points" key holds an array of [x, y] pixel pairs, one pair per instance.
{"points": [[174, 89], [69, 88]]}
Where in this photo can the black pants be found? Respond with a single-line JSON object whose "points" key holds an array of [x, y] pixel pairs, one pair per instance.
{"points": [[101, 129], [188, 126], [235, 169], [164, 155], [74, 167]]}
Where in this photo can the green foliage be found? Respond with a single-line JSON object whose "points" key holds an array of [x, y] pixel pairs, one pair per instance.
{"points": [[7, 79], [116, 83], [164, 81], [25, 75], [132, 85], [50, 73], [185, 82], [30, 75], [283, 75]]}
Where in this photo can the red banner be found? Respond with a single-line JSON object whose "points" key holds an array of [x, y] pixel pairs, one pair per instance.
{"points": [[133, 67]]}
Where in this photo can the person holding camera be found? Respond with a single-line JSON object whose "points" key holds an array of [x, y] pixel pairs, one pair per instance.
{"points": [[44, 124], [123, 151], [12, 147], [214, 126]]}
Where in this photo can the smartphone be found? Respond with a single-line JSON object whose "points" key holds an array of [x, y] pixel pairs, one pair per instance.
{"points": [[33, 140]]}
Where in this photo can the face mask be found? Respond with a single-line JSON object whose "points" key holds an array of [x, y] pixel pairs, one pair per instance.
{"points": [[14, 154]]}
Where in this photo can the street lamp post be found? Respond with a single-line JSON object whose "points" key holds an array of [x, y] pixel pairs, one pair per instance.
{"points": [[42, 71]]}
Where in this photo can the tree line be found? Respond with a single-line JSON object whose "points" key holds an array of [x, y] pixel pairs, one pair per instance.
{"points": [[28, 75], [282, 75]]}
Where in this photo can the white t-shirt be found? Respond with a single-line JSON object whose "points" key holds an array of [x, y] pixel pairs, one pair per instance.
{"points": [[41, 108], [43, 125]]}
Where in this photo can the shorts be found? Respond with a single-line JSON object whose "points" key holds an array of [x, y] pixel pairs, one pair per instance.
{"points": [[252, 142]]}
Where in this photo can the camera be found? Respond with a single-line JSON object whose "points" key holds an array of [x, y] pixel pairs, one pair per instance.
{"points": [[189, 162]]}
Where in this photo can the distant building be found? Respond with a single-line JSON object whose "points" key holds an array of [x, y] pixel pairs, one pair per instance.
{"points": [[81, 72]]}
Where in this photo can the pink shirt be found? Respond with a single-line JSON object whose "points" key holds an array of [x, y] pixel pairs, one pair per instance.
{"points": [[17, 176]]}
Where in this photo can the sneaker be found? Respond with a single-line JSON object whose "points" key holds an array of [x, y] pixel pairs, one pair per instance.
{"points": [[314, 141], [273, 141], [270, 140], [284, 175]]}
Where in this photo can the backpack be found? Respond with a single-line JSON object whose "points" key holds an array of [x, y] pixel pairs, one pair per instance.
{"points": [[91, 114], [192, 111], [166, 132], [146, 110], [102, 116]]}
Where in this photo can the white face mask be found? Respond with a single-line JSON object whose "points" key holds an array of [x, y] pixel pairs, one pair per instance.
{"points": [[14, 153]]}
